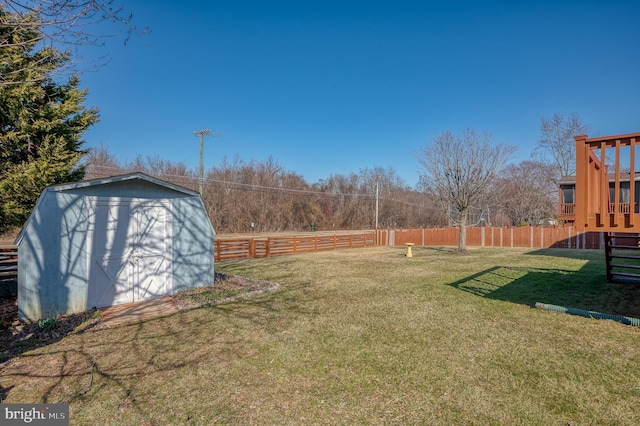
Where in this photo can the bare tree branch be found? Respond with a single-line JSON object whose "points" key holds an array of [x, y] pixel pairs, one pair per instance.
{"points": [[557, 146], [64, 25]]}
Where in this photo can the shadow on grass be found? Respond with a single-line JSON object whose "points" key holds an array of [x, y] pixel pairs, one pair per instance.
{"points": [[585, 289], [118, 358], [24, 336]]}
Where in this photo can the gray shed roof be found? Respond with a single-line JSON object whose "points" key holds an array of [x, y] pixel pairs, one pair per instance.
{"points": [[120, 178]]}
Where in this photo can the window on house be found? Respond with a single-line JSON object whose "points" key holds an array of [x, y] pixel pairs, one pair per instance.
{"points": [[568, 194], [625, 192]]}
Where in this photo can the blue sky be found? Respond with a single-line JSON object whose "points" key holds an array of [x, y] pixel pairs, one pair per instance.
{"points": [[332, 87]]}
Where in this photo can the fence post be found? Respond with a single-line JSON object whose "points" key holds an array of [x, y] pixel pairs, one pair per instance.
{"points": [[482, 236], [268, 247], [569, 236], [530, 236], [252, 248]]}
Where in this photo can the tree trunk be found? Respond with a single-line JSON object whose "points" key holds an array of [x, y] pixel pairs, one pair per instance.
{"points": [[462, 238]]}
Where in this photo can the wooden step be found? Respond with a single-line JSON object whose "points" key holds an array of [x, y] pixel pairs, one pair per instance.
{"points": [[625, 274], [614, 265], [625, 247], [624, 256]]}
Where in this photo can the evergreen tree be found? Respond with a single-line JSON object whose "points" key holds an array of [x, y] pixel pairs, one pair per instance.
{"points": [[41, 122]]}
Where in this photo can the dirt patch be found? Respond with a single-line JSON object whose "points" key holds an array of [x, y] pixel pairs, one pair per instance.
{"points": [[227, 288], [18, 336]]}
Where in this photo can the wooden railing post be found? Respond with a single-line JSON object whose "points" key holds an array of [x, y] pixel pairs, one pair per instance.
{"points": [[616, 185], [632, 180], [603, 179], [582, 182]]}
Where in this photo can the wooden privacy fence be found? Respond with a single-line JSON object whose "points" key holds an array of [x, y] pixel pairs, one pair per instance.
{"points": [[8, 263], [241, 248], [237, 248], [486, 236]]}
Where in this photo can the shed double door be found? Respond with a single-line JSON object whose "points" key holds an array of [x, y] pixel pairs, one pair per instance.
{"points": [[130, 244]]}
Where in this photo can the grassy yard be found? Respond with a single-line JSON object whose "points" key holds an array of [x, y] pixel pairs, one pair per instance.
{"points": [[364, 336]]}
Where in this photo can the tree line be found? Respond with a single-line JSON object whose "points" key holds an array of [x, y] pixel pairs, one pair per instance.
{"points": [[239, 193]]}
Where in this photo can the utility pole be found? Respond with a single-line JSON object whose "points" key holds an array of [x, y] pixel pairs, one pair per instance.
{"points": [[202, 134], [376, 203]]}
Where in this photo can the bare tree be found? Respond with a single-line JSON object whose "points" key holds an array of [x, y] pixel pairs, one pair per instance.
{"points": [[557, 146], [63, 25], [460, 169], [99, 162], [528, 195]]}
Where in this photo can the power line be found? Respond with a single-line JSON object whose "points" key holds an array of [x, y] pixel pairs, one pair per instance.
{"points": [[255, 187], [239, 185]]}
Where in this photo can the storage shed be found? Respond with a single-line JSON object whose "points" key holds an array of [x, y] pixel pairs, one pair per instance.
{"points": [[110, 241]]}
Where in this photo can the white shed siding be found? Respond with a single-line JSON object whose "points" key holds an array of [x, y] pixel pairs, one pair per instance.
{"points": [[111, 241]]}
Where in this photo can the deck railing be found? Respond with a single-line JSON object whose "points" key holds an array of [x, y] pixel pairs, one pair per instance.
{"points": [[605, 170], [623, 208], [567, 210]]}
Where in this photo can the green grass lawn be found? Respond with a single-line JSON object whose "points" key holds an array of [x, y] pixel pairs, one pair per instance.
{"points": [[364, 336]]}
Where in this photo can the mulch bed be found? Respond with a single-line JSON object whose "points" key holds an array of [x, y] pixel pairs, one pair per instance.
{"points": [[18, 336]]}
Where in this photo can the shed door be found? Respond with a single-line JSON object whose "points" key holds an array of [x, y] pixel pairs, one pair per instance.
{"points": [[151, 263], [131, 252]]}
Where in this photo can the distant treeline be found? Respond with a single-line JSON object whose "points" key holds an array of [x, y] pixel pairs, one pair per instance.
{"points": [[238, 194]]}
